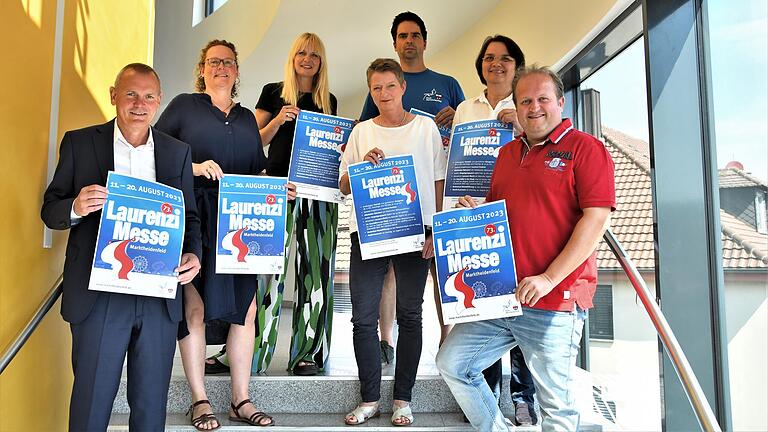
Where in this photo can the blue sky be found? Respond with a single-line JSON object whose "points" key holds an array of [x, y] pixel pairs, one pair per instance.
{"points": [[621, 84], [739, 51], [738, 40]]}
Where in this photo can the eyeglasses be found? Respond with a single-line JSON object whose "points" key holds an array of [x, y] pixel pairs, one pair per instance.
{"points": [[215, 62], [490, 58]]}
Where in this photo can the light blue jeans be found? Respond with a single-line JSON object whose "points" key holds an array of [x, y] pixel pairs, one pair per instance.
{"points": [[549, 341]]}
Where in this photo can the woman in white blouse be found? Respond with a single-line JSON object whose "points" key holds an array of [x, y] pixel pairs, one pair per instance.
{"points": [[496, 64]]}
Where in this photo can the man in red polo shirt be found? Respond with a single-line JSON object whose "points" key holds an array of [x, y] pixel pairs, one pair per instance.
{"points": [[559, 188]]}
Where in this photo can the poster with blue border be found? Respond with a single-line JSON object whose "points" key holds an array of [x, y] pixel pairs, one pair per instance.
{"points": [[474, 149], [141, 234], [387, 206], [475, 263], [319, 141], [250, 227], [445, 132]]}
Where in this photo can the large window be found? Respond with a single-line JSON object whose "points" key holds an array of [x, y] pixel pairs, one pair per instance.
{"points": [[606, 94], [623, 347], [738, 41]]}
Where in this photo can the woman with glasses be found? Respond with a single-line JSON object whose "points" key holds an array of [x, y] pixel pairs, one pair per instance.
{"points": [[224, 139], [304, 87], [496, 65]]}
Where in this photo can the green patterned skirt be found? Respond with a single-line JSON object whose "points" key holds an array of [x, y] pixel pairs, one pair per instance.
{"points": [[315, 224]]}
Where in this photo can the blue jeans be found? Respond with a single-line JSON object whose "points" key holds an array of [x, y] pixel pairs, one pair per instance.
{"points": [[520, 383], [549, 341]]}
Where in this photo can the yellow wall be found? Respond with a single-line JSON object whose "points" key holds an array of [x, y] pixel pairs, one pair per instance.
{"points": [[99, 38]]}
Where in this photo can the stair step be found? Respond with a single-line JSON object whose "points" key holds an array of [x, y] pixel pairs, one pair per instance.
{"points": [[304, 395], [447, 422]]}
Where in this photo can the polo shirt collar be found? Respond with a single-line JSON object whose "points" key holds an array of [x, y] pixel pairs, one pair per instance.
{"points": [[557, 133], [484, 99]]}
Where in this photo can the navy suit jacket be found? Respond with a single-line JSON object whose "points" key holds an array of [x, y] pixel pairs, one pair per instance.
{"points": [[85, 157]]}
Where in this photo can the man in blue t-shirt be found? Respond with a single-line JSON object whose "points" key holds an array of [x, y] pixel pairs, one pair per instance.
{"points": [[426, 89]]}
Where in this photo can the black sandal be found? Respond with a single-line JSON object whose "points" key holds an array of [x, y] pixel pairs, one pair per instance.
{"points": [[217, 367], [307, 369], [255, 418], [202, 418]]}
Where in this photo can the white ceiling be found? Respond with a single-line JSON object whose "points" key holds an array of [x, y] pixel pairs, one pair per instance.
{"points": [[354, 33]]}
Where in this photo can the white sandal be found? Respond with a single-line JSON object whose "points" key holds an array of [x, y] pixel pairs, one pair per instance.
{"points": [[362, 414], [402, 413]]}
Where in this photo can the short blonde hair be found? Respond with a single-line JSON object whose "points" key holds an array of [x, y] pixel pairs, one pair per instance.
{"points": [[385, 65], [540, 70]]}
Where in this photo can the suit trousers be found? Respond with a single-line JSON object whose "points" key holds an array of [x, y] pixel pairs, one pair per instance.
{"points": [[121, 324]]}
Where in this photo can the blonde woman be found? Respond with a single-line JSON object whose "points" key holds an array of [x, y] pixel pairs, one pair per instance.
{"points": [[304, 87]]}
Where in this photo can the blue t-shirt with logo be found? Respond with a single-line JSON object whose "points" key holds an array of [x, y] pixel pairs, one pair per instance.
{"points": [[427, 90]]}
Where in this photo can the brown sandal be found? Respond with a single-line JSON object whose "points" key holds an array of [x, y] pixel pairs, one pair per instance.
{"points": [[255, 418], [202, 418]]}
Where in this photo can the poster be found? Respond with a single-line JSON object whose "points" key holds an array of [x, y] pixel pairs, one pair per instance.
{"points": [[250, 234], [141, 234], [471, 158], [318, 144], [445, 132], [387, 206], [475, 263]]}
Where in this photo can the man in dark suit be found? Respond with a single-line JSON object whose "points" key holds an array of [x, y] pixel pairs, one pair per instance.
{"points": [[105, 326]]}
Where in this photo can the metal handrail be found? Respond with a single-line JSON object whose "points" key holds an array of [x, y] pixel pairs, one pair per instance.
{"points": [[691, 385], [13, 348]]}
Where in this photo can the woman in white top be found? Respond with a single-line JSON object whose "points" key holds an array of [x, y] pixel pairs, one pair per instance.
{"points": [[496, 64], [393, 132]]}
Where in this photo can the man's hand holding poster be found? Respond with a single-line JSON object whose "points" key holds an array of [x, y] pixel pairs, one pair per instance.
{"points": [[141, 234], [318, 143], [251, 225], [475, 263], [474, 149], [387, 206]]}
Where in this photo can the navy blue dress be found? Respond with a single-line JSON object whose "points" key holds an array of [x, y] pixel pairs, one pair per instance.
{"points": [[234, 143]]}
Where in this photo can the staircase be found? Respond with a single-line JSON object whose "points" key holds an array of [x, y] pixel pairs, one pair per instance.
{"points": [[319, 403], [310, 403]]}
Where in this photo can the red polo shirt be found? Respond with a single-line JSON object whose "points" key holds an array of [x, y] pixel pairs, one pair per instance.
{"points": [[546, 188]]}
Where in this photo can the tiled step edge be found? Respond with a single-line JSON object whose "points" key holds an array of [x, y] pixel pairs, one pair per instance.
{"points": [[289, 394], [450, 422]]}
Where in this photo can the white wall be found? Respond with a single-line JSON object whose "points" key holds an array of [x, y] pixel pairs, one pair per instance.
{"points": [[746, 309]]}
